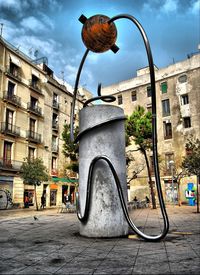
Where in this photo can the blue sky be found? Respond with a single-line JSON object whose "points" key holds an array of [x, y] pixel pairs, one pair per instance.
{"points": [[51, 28]]}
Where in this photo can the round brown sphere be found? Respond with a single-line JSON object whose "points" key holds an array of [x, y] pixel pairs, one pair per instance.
{"points": [[97, 35]]}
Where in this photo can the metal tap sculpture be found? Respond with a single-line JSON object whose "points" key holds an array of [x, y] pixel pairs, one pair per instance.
{"points": [[102, 165]]}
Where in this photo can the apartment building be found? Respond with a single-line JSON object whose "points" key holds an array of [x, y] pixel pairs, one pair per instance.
{"points": [[178, 118], [34, 106]]}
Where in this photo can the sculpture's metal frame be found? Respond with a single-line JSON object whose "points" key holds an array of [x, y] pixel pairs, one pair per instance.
{"points": [[84, 217]]}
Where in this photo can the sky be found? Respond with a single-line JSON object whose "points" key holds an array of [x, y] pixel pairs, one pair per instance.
{"points": [[50, 28]]}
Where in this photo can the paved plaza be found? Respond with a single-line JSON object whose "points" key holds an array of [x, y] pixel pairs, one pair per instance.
{"points": [[50, 244]]}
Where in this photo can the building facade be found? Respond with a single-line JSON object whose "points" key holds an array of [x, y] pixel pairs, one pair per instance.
{"points": [[178, 118], [34, 106]]}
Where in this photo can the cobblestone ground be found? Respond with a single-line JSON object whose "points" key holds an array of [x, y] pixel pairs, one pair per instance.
{"points": [[51, 244]]}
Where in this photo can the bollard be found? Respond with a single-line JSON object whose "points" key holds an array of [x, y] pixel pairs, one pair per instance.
{"points": [[105, 137]]}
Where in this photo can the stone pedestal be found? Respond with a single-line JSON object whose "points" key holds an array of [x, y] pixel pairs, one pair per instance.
{"points": [[106, 218]]}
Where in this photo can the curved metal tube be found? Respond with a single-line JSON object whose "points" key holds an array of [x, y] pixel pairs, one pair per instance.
{"points": [[83, 218], [74, 97], [154, 123], [154, 141], [105, 98]]}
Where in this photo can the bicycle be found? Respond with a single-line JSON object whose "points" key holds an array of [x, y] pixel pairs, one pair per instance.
{"points": [[5, 199]]}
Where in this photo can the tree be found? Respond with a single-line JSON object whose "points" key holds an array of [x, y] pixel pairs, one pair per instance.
{"points": [[139, 127], [70, 149], [34, 172], [191, 162], [136, 169]]}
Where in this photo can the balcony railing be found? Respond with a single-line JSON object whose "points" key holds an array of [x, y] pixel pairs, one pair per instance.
{"points": [[54, 148], [14, 99], [55, 104], [168, 136], [9, 164], [33, 136], [34, 109], [14, 72], [36, 86], [9, 129], [54, 172], [55, 126]]}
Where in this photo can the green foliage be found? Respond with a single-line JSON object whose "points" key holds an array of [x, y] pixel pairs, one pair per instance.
{"points": [[139, 127], [70, 149], [191, 162], [33, 172]]}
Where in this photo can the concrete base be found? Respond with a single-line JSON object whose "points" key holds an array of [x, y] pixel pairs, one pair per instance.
{"points": [[106, 218]]}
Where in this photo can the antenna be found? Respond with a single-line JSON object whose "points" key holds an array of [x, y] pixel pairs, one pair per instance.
{"points": [[1, 31], [36, 52], [63, 76]]}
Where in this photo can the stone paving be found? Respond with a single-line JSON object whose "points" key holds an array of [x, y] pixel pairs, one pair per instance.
{"points": [[51, 244]]}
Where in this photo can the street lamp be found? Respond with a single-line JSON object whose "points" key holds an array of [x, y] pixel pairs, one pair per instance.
{"points": [[171, 165]]}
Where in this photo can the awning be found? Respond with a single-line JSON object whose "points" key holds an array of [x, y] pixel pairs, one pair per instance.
{"points": [[15, 60], [55, 179]]}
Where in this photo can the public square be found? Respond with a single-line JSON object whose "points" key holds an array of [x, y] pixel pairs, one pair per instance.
{"points": [[50, 244]]}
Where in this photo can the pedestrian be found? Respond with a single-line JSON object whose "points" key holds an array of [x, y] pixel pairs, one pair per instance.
{"points": [[42, 201], [26, 201], [135, 199], [147, 200]]}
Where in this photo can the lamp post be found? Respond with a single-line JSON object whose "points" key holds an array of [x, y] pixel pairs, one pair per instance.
{"points": [[171, 164]]}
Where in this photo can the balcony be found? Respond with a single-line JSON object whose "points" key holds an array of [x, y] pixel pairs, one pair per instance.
{"points": [[54, 172], [55, 105], [33, 137], [54, 148], [14, 72], [34, 109], [9, 129], [35, 86], [55, 126], [8, 164], [11, 98]]}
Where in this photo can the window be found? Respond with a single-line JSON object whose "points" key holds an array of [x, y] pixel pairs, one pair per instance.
{"points": [[54, 166], [9, 119], [184, 99], [164, 87], [149, 91], [55, 97], [14, 69], [187, 122], [34, 102], [35, 81], [149, 109], [133, 96], [7, 153], [32, 125], [168, 158], [167, 128], [11, 88], [54, 143], [182, 78], [31, 153], [120, 100], [55, 120], [165, 107]]}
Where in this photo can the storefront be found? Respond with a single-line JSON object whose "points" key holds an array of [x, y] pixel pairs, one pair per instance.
{"points": [[69, 189], [6, 183], [53, 194]]}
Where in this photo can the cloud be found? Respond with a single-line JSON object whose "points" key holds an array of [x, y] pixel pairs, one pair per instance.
{"points": [[34, 25], [170, 6]]}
